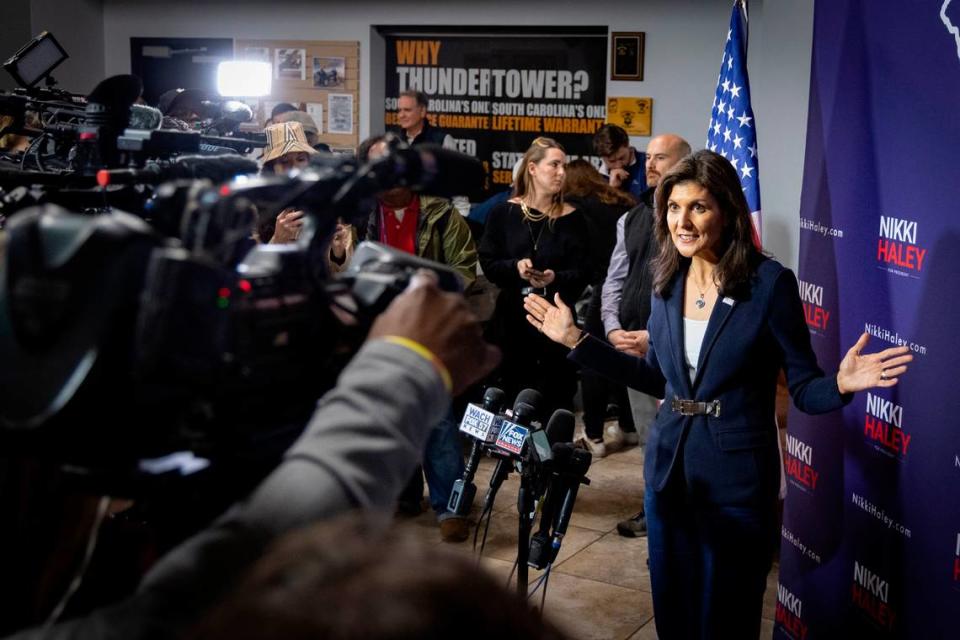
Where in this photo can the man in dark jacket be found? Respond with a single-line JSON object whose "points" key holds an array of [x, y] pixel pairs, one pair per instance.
{"points": [[416, 129], [412, 118], [625, 305]]}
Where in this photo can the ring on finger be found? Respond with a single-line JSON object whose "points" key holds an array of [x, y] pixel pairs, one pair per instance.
{"points": [[883, 374]]}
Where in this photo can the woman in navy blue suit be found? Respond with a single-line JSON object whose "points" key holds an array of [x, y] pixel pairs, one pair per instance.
{"points": [[725, 320]]}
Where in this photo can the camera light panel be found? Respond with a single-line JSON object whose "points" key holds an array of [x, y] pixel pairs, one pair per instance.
{"points": [[244, 78]]}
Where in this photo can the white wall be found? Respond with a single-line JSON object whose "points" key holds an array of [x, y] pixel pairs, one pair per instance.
{"points": [[684, 41], [779, 64], [78, 26], [14, 33]]}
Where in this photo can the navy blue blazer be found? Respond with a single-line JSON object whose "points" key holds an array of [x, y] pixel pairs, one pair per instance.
{"points": [[731, 459]]}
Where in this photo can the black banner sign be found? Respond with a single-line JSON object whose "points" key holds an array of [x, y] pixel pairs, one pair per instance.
{"points": [[495, 94]]}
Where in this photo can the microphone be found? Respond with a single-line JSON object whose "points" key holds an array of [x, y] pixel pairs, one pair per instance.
{"points": [[427, 168], [560, 427], [533, 400], [106, 114], [510, 440], [559, 436], [482, 424], [214, 168], [118, 91], [144, 117], [540, 542], [570, 474], [575, 474]]}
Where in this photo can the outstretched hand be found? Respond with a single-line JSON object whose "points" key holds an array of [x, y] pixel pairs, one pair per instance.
{"points": [[860, 371], [552, 320]]}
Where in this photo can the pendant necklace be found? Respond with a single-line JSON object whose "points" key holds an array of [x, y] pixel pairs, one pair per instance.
{"points": [[530, 218], [535, 240], [700, 302]]}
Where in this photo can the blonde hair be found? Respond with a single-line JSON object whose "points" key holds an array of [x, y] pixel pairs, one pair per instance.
{"points": [[524, 185]]}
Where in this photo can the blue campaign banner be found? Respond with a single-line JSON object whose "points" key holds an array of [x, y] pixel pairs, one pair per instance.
{"points": [[871, 534]]}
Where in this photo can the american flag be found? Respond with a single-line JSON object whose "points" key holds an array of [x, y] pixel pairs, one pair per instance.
{"points": [[732, 133]]}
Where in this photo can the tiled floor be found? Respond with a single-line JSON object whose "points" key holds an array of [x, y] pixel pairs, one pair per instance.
{"points": [[599, 587]]}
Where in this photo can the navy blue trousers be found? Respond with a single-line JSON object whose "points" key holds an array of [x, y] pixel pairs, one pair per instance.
{"points": [[708, 564]]}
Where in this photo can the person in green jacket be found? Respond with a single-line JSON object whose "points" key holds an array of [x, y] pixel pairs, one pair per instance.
{"points": [[431, 228]]}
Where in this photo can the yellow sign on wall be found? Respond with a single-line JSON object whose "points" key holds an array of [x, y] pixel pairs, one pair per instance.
{"points": [[635, 115]]}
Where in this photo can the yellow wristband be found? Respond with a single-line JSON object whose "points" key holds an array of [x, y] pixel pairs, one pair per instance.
{"points": [[426, 354]]}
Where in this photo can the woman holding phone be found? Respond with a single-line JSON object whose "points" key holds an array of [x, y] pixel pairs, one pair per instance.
{"points": [[535, 242]]}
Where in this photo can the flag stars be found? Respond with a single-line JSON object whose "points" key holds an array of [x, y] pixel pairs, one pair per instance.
{"points": [[744, 119], [730, 113], [716, 128], [746, 170], [726, 86], [721, 106], [730, 62], [753, 150], [736, 142], [726, 134], [735, 90]]}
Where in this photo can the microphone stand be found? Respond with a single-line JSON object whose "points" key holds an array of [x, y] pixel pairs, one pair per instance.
{"points": [[525, 526]]}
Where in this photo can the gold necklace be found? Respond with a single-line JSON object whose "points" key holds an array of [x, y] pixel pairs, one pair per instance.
{"points": [[532, 217]]}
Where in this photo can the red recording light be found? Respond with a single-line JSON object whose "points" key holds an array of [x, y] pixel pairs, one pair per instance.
{"points": [[225, 190], [103, 177], [224, 292], [88, 135], [245, 286]]}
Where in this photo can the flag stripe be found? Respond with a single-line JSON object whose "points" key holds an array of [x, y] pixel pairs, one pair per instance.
{"points": [[732, 132]]}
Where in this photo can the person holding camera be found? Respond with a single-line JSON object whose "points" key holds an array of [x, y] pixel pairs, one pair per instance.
{"points": [[359, 448], [535, 242]]}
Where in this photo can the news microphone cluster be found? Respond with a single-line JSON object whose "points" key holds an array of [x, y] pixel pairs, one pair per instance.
{"points": [[570, 465], [514, 438]]}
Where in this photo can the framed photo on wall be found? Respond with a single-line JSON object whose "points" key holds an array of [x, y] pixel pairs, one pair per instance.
{"points": [[626, 53]]}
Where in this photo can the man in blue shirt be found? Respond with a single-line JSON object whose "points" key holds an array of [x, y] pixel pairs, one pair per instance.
{"points": [[622, 164]]}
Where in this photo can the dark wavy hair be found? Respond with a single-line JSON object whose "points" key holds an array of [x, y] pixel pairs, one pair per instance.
{"points": [[351, 577], [738, 255]]}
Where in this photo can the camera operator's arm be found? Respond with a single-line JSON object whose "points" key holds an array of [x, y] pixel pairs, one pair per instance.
{"points": [[359, 450]]}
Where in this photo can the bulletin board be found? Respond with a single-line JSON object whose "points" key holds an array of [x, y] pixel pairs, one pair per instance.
{"points": [[320, 77]]}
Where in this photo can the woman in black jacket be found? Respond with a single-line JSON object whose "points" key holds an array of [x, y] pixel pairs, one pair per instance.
{"points": [[536, 242]]}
